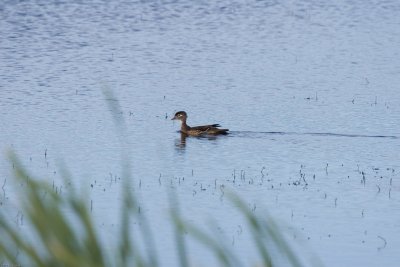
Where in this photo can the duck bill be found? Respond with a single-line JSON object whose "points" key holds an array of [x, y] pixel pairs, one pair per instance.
{"points": [[174, 118]]}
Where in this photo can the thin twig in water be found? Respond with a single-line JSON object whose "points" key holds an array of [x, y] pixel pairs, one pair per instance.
{"points": [[379, 189], [4, 191], [262, 172], [304, 179], [384, 244]]}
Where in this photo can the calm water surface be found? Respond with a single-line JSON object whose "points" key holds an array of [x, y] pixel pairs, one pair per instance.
{"points": [[310, 91]]}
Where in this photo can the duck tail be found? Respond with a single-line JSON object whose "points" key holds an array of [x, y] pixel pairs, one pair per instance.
{"points": [[223, 131]]}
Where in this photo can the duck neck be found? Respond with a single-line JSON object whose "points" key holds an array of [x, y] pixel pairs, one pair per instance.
{"points": [[184, 126]]}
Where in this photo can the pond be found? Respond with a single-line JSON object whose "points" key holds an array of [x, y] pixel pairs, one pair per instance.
{"points": [[308, 89]]}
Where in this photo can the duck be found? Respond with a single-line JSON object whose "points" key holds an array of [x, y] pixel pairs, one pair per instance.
{"points": [[203, 130]]}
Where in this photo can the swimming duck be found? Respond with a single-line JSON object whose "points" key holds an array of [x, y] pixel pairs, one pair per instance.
{"points": [[198, 130]]}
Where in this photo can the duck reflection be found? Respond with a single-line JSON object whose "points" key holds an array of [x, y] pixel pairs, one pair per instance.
{"points": [[180, 143]]}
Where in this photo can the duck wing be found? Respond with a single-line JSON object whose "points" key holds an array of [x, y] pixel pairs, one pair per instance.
{"points": [[209, 129], [205, 127]]}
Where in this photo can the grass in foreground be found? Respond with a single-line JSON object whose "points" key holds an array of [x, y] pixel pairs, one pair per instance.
{"points": [[65, 234]]}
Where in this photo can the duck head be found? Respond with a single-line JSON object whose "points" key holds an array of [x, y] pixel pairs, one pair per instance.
{"points": [[180, 115]]}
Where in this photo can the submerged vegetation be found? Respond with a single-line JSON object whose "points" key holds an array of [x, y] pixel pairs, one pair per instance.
{"points": [[61, 231]]}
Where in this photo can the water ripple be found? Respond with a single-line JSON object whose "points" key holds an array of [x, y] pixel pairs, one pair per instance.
{"points": [[252, 134]]}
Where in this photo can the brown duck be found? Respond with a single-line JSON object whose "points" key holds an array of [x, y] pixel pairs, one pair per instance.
{"points": [[198, 130]]}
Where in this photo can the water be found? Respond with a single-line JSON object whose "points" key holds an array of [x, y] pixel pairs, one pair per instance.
{"points": [[308, 89]]}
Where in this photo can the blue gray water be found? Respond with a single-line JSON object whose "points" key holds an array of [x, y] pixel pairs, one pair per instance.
{"points": [[309, 89]]}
